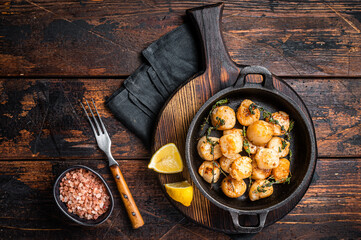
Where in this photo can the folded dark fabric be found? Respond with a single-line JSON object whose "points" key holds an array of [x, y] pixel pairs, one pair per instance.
{"points": [[175, 57], [170, 61]]}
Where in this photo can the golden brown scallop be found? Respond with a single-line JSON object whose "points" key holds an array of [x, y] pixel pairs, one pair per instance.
{"points": [[258, 173], [281, 172], [281, 146], [233, 188], [234, 131], [209, 171], [241, 168], [244, 115], [231, 144], [204, 149], [260, 132], [283, 120], [226, 162], [267, 158], [223, 117], [260, 189]]}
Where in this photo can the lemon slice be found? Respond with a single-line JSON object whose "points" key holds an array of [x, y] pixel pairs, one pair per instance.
{"points": [[167, 160], [181, 192]]}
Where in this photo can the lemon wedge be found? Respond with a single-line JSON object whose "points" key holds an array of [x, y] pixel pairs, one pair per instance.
{"points": [[181, 192], [167, 160]]}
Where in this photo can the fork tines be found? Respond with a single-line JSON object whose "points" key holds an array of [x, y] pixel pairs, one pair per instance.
{"points": [[99, 123]]}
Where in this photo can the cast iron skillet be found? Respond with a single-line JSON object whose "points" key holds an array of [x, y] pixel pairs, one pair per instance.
{"points": [[303, 147]]}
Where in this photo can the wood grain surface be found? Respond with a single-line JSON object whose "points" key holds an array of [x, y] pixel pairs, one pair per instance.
{"points": [[127, 197], [330, 208], [45, 119], [97, 38], [54, 53]]}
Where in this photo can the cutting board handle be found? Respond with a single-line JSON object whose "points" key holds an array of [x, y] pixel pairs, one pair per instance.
{"points": [[217, 61]]}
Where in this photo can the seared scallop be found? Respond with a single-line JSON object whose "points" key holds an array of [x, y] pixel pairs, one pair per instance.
{"points": [[260, 189], [204, 148], [233, 188], [258, 173], [245, 116], [267, 158], [241, 168], [281, 172], [209, 171], [230, 144], [283, 121], [260, 132], [234, 131], [223, 118], [281, 146], [226, 162], [247, 144]]}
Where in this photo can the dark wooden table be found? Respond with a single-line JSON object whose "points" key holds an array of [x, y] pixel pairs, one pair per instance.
{"points": [[53, 53]]}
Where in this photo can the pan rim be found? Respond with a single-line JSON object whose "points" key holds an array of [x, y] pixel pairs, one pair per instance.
{"points": [[310, 134]]}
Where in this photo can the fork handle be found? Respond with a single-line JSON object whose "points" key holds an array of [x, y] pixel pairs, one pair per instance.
{"points": [[132, 209]]}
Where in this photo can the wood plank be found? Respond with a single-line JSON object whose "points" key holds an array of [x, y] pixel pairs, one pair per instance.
{"points": [[330, 208], [335, 107], [95, 38], [29, 211], [44, 120]]}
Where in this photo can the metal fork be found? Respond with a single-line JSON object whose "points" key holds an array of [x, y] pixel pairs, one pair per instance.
{"points": [[104, 143]]}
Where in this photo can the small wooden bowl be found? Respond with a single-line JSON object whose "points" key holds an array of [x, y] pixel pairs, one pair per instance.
{"points": [[74, 217]]}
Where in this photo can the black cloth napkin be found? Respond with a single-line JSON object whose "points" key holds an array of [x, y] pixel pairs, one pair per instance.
{"points": [[169, 62]]}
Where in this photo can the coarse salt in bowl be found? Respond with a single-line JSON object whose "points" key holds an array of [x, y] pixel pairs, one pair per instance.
{"points": [[83, 196]]}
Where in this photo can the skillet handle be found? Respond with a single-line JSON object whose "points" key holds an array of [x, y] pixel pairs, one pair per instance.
{"points": [[241, 229], [267, 76]]}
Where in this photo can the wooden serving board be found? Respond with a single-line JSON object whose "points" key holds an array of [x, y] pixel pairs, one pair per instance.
{"points": [[177, 114]]}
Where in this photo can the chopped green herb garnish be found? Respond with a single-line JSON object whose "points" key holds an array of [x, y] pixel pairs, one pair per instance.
{"points": [[270, 181], [292, 123], [221, 122], [288, 180], [261, 189], [283, 128], [250, 181], [266, 114], [290, 155], [251, 108], [288, 136], [264, 185], [284, 144], [254, 106], [246, 144]]}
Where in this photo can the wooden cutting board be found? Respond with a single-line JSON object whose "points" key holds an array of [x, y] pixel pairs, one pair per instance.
{"points": [[177, 114]]}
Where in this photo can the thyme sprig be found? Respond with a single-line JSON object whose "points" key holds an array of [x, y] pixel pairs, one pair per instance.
{"points": [[267, 115], [208, 133], [213, 163], [290, 156], [288, 136], [250, 181], [284, 144], [266, 184], [245, 142], [254, 106], [244, 131], [271, 181]]}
